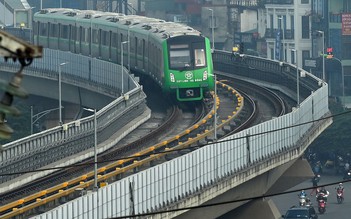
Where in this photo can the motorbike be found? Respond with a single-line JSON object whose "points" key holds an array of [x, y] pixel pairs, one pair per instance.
{"points": [[321, 199], [321, 206], [340, 196]]}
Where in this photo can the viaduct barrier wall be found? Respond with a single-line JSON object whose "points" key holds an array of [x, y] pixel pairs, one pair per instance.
{"points": [[90, 76], [238, 158]]}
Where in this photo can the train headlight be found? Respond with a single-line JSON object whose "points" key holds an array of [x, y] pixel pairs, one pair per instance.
{"points": [[204, 76], [171, 75]]}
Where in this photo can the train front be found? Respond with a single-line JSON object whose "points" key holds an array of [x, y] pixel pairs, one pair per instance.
{"points": [[188, 67]]}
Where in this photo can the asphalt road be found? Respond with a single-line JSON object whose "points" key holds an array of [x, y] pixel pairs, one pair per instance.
{"points": [[333, 209]]}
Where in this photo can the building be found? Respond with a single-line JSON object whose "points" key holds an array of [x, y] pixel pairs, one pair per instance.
{"points": [[288, 30]]}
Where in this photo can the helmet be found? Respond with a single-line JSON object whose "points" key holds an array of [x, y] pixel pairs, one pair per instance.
{"points": [[340, 184]]}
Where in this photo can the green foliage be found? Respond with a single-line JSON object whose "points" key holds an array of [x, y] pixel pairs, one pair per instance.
{"points": [[19, 124], [337, 137]]}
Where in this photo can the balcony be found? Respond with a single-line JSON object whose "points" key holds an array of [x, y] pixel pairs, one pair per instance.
{"points": [[280, 2], [271, 33]]}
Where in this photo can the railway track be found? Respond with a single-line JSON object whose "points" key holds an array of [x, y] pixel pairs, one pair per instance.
{"points": [[134, 156]]}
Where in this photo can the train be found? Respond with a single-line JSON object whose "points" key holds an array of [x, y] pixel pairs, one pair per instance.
{"points": [[177, 57]]}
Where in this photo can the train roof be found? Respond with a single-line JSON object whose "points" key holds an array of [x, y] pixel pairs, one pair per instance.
{"points": [[156, 27]]}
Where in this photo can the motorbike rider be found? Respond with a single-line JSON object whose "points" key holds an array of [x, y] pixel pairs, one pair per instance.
{"points": [[323, 194], [302, 194], [315, 181], [340, 187]]}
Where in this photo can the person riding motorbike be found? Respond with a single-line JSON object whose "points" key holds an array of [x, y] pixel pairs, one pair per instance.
{"points": [[340, 187], [302, 193], [304, 200], [323, 194], [340, 193]]}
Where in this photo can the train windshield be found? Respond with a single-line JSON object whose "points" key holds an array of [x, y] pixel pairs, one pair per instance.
{"points": [[187, 56], [200, 60], [179, 56]]}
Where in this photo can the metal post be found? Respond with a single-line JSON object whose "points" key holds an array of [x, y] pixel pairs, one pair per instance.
{"points": [[41, 4], [322, 32], [31, 120], [342, 79], [95, 148], [297, 79], [215, 109], [4, 13], [95, 152], [122, 44], [212, 26], [60, 98], [282, 21], [91, 37]]}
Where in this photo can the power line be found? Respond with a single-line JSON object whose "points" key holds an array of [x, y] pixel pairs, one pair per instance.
{"points": [[170, 150]]}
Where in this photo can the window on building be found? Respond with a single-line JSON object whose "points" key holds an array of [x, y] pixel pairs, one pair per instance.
{"points": [[272, 53], [305, 54], [271, 22], [305, 1], [292, 55], [305, 27], [346, 51], [292, 23]]}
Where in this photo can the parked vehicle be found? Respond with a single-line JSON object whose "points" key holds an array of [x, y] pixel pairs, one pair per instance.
{"points": [[301, 212]]}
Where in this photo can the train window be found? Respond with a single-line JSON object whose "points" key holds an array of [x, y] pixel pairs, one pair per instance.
{"points": [[95, 36], [86, 35], [64, 32], [73, 33], [43, 29], [179, 56], [35, 28], [54, 30], [114, 40], [105, 38], [199, 57]]}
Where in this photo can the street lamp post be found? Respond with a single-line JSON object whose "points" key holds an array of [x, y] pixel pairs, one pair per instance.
{"points": [[212, 26], [38, 116], [342, 78], [297, 79], [4, 13], [60, 97], [282, 21], [322, 32], [95, 147], [122, 44], [215, 108]]}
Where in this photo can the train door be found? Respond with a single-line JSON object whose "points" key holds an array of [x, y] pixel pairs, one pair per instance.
{"points": [[99, 42], [143, 54], [109, 45]]}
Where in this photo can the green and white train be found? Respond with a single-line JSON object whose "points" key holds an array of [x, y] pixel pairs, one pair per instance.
{"points": [[177, 57]]}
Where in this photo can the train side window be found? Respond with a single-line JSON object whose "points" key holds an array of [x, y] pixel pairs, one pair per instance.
{"points": [[95, 36], [64, 31], [199, 57], [114, 40], [44, 29], [73, 33], [54, 30]]}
